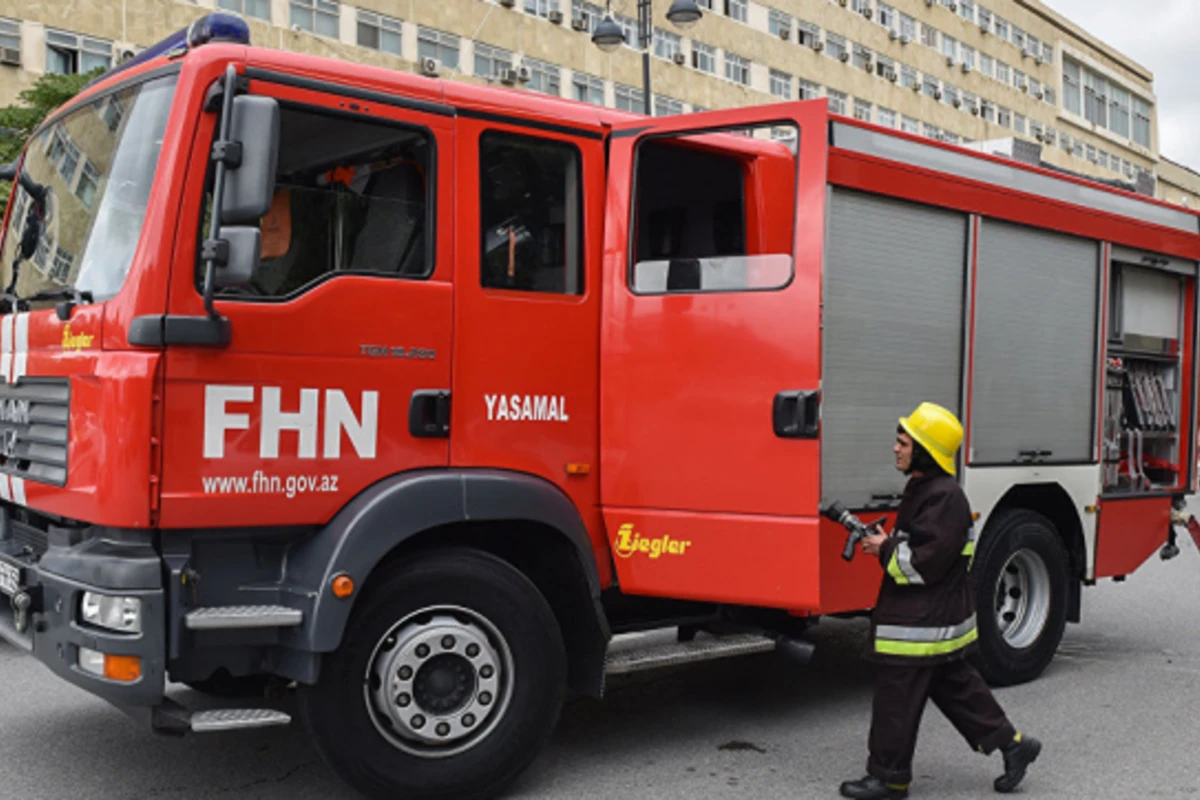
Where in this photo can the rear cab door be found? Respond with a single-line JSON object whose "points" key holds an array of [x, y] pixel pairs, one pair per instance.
{"points": [[344, 330], [711, 355]]}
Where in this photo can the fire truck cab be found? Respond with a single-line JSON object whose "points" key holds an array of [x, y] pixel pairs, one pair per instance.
{"points": [[413, 395]]}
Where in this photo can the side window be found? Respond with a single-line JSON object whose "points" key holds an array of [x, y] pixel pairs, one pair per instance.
{"points": [[531, 214], [714, 212], [352, 196]]}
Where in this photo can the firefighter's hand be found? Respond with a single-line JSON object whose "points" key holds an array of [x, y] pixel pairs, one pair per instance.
{"points": [[871, 544]]}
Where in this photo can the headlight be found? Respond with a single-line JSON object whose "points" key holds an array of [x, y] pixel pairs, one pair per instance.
{"points": [[122, 614]]}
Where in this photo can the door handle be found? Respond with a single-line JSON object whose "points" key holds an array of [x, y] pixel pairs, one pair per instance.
{"points": [[429, 414], [797, 414]]}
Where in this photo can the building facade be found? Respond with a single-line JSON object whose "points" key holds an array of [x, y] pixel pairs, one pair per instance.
{"points": [[960, 71]]}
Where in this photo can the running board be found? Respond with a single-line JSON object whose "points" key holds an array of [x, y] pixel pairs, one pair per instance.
{"points": [[242, 617], [236, 719], [673, 653]]}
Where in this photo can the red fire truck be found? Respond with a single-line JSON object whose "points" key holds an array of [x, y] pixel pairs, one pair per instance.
{"points": [[413, 395]]}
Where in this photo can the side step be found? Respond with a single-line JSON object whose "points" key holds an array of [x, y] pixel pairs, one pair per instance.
{"points": [[237, 719], [241, 617], [651, 655]]}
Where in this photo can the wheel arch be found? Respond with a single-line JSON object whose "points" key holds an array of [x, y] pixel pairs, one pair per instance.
{"points": [[1053, 502], [523, 519]]}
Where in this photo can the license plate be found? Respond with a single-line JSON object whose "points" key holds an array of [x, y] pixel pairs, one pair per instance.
{"points": [[10, 579]]}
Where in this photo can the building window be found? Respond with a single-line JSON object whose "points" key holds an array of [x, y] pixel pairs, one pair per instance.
{"points": [[1102, 159], [541, 8], [807, 33], [1141, 121], [930, 87], [439, 45], [316, 16], [1001, 27], [588, 88], [966, 9], [737, 9], [378, 32], [835, 45], [1051, 96], [809, 90], [630, 99], [628, 26], [837, 102], [886, 117], [1003, 74], [1095, 99], [778, 22], [931, 131], [887, 16], [737, 69], [704, 57], [949, 47], [909, 125], [1035, 86], [666, 106], [1118, 120], [10, 34], [781, 84], [1018, 37], [1047, 52], [667, 44], [985, 18], [68, 54], [543, 77], [987, 65], [970, 102], [1003, 117], [885, 67], [89, 181], [532, 239], [862, 110], [908, 27], [589, 14], [489, 60], [260, 9], [929, 35], [862, 57], [1019, 123], [1091, 153], [908, 76], [949, 94], [968, 55]]}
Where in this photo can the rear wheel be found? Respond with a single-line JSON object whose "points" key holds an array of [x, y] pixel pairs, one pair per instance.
{"points": [[1020, 578], [448, 683]]}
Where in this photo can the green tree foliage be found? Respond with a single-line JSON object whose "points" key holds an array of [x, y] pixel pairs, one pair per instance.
{"points": [[18, 122]]}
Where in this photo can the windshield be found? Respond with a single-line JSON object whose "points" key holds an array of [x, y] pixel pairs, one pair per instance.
{"points": [[98, 164]]}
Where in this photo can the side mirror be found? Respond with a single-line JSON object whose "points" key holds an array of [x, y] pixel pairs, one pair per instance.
{"points": [[243, 249], [250, 180]]}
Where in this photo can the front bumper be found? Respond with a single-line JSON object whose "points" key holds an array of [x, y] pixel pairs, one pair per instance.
{"points": [[53, 583]]}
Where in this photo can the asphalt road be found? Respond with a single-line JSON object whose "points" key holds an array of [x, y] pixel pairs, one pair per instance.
{"points": [[1118, 710]]}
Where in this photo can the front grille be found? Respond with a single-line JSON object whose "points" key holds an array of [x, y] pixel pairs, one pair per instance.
{"points": [[29, 538], [34, 417]]}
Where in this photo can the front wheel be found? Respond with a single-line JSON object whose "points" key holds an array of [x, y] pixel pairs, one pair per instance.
{"points": [[448, 682], [1020, 577]]}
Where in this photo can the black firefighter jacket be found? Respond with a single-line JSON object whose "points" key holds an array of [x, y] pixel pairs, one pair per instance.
{"points": [[925, 613]]}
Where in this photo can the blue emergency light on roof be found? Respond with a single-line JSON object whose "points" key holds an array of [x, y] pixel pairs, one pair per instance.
{"points": [[215, 27]]}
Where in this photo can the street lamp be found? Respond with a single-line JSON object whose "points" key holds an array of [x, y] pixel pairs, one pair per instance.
{"points": [[608, 35]]}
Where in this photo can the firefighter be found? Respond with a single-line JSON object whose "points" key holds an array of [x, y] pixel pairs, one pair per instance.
{"points": [[923, 625]]}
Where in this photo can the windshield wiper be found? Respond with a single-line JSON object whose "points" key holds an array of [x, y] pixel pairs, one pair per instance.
{"points": [[70, 295]]}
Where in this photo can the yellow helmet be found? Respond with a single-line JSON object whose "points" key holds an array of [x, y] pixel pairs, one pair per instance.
{"points": [[937, 430]]}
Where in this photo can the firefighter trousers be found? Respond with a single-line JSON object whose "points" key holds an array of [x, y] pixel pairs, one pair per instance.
{"points": [[959, 692]]}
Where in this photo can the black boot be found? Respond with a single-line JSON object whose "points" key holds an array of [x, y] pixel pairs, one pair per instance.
{"points": [[871, 788], [1018, 755]]}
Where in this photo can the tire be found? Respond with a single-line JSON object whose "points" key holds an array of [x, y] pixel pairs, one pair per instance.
{"points": [[484, 606], [1020, 578]]}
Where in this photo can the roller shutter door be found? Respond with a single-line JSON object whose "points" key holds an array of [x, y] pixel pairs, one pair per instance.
{"points": [[1035, 345], [893, 330]]}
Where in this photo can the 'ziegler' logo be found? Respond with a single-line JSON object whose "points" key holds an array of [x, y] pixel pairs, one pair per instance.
{"points": [[630, 541], [75, 341]]}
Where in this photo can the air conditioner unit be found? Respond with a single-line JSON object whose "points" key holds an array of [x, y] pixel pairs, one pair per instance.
{"points": [[845, 55], [843, 3], [556, 17], [868, 13], [784, 33], [905, 39], [11, 56], [507, 75], [893, 34], [929, 3], [975, 110], [430, 66], [949, 61], [954, 7], [957, 103], [984, 29], [916, 87], [579, 24], [818, 45], [1041, 60], [1026, 52], [1039, 94], [524, 74], [508, 3], [966, 68], [937, 94], [892, 76]]}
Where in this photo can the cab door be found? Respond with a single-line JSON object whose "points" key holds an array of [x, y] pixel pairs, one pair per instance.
{"points": [[711, 355], [339, 363]]}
